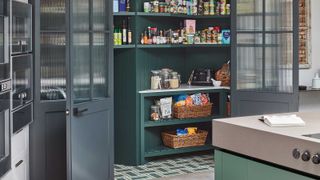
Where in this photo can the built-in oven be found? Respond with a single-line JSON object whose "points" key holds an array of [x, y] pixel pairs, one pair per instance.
{"points": [[22, 80], [21, 28], [4, 43], [5, 158], [22, 117]]}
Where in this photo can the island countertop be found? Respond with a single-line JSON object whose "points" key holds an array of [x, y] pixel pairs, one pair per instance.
{"points": [[251, 137]]}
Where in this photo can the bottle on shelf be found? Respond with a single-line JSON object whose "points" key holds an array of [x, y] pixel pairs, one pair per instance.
{"points": [[129, 33], [124, 32], [128, 6]]}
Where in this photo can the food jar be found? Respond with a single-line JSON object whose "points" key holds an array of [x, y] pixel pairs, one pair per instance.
{"points": [[147, 7], [175, 80], [155, 80], [165, 78], [162, 7], [155, 113], [155, 7]]}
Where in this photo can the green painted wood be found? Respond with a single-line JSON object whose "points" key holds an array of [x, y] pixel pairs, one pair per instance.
{"points": [[179, 121], [127, 46], [124, 14], [234, 167], [231, 167], [163, 151], [264, 172]]}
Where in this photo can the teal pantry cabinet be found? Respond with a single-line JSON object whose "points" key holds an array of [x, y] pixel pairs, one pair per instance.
{"points": [[264, 67], [137, 139]]}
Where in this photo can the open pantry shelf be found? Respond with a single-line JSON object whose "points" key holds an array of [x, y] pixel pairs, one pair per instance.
{"points": [[141, 46], [124, 13], [183, 89], [170, 122], [127, 46], [163, 150], [183, 15]]}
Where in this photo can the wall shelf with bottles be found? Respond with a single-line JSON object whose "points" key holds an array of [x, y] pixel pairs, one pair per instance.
{"points": [[183, 15], [142, 46]]}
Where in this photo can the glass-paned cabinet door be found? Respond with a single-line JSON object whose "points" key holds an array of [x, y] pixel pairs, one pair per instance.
{"points": [[81, 15], [265, 45], [100, 66], [249, 44], [99, 15]]}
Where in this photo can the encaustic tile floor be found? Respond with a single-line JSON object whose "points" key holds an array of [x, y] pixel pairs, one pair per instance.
{"points": [[169, 168]]}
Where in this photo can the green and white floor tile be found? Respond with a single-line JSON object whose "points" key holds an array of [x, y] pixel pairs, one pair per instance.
{"points": [[166, 168]]}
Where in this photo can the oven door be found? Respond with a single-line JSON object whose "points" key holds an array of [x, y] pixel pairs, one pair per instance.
{"points": [[4, 48], [4, 132], [22, 80], [21, 27]]}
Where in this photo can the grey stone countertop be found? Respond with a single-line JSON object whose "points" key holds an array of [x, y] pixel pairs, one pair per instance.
{"points": [[251, 137]]}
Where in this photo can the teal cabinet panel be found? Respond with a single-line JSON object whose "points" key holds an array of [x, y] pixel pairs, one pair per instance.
{"points": [[232, 167], [259, 171]]}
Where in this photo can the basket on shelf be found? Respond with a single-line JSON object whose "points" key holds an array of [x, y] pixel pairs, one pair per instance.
{"points": [[170, 139], [182, 112]]}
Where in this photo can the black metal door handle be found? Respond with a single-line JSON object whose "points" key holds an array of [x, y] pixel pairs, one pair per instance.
{"points": [[78, 112]]}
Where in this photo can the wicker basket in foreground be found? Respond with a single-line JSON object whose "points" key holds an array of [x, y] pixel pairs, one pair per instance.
{"points": [[182, 112], [170, 139]]}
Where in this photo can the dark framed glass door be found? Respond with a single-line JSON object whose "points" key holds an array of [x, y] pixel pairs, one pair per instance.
{"points": [[265, 57], [90, 91]]}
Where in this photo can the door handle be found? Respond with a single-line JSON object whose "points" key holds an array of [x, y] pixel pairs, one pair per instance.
{"points": [[78, 112]]}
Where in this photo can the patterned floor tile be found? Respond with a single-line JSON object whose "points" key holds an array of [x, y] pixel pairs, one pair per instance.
{"points": [[166, 168]]}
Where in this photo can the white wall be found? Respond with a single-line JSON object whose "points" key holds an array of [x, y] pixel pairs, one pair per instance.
{"points": [[306, 75]]}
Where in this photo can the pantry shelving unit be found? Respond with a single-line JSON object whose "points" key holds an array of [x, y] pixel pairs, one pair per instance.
{"points": [[137, 139]]}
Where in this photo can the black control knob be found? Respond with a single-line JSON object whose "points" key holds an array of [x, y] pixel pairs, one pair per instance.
{"points": [[316, 159], [296, 153], [306, 156]]}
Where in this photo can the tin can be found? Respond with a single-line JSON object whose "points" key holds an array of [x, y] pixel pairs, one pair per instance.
{"points": [[206, 8], [147, 7]]}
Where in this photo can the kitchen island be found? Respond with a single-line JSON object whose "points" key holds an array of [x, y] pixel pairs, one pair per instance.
{"points": [[248, 149]]}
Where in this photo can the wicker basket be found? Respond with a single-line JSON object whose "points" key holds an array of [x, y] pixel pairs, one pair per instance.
{"points": [[171, 140], [182, 112]]}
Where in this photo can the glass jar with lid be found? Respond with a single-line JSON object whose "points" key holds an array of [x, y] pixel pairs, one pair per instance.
{"points": [[155, 80], [174, 80], [165, 78], [155, 113]]}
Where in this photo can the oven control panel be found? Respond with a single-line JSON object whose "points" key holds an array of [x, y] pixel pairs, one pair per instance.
{"points": [[5, 86]]}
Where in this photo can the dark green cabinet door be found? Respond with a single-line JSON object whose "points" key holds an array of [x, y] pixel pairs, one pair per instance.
{"points": [[264, 56], [258, 171], [90, 91]]}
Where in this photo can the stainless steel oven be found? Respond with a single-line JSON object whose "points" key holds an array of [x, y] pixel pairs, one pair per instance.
{"points": [[21, 28], [5, 159], [22, 80]]}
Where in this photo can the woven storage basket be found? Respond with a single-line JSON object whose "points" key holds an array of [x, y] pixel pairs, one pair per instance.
{"points": [[182, 112], [171, 140]]}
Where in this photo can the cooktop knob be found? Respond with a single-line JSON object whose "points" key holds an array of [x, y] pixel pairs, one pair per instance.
{"points": [[316, 159], [296, 153], [306, 156]]}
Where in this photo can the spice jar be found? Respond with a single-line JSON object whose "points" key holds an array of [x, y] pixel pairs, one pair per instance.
{"points": [[155, 113], [175, 80], [155, 80], [155, 7], [162, 7], [165, 78]]}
